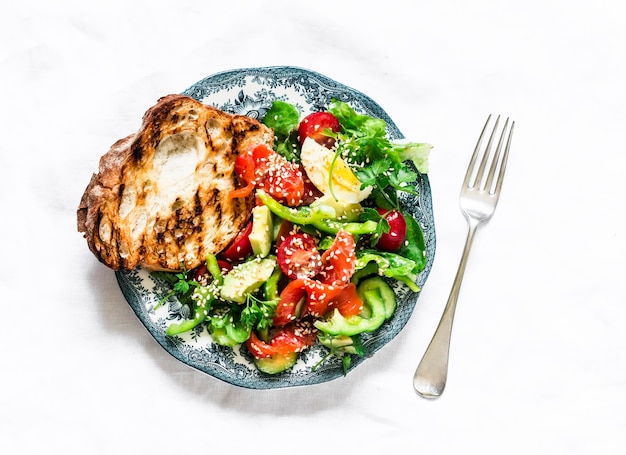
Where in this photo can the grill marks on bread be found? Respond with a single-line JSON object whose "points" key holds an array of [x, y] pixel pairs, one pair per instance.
{"points": [[160, 198]]}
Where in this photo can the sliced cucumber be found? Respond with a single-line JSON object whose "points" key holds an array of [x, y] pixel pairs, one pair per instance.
{"points": [[220, 337], [338, 343], [276, 363], [386, 293], [379, 304]]}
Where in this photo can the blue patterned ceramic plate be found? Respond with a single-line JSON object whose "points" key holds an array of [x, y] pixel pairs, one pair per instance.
{"points": [[251, 92]]}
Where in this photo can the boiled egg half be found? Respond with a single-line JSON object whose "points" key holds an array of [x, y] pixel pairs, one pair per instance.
{"points": [[317, 161]]}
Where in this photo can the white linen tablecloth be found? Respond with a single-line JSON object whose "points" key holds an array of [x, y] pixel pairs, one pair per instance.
{"points": [[538, 357]]}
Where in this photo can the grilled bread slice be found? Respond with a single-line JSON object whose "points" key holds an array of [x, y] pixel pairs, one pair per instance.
{"points": [[160, 197]]}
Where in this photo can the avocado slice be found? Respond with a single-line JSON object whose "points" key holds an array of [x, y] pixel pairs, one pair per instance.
{"points": [[246, 278], [262, 230]]}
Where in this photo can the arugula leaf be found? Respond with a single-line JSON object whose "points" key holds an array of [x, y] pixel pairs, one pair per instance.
{"points": [[351, 120]]}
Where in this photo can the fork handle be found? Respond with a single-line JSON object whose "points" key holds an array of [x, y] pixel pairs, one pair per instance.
{"points": [[431, 374]]}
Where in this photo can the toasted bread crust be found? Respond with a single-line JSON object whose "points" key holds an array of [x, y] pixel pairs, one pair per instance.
{"points": [[160, 197]]}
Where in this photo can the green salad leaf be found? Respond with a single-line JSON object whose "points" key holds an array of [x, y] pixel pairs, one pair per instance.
{"points": [[284, 118], [414, 247]]}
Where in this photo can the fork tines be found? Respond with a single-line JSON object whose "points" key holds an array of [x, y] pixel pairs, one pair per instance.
{"points": [[495, 161]]}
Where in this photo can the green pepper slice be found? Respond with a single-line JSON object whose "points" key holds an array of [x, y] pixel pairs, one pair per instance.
{"points": [[317, 217]]}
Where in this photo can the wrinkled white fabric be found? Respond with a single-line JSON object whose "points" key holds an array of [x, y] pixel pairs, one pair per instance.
{"points": [[538, 357]]}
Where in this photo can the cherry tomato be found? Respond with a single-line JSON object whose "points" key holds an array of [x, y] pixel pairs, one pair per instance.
{"points": [[293, 337], [313, 126], [298, 256], [347, 301], [285, 230], [339, 261], [392, 240], [240, 248], [225, 267], [201, 273]]}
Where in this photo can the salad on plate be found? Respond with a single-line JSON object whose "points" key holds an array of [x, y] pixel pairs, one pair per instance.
{"points": [[326, 243]]}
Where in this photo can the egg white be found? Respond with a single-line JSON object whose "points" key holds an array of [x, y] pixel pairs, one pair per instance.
{"points": [[317, 161]]}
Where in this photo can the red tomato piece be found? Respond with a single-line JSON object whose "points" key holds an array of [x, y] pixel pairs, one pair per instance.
{"points": [[225, 267], [347, 301], [240, 248], [290, 299], [201, 273], [310, 191], [278, 177], [313, 126], [261, 167], [392, 240], [294, 337], [245, 170], [339, 261], [298, 256], [285, 230], [318, 295]]}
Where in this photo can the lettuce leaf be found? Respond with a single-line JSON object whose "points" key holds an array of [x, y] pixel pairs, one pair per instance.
{"points": [[284, 118]]}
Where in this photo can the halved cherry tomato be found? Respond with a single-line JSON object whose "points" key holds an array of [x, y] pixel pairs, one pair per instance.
{"points": [[339, 261], [240, 248], [392, 240], [313, 126], [293, 337], [347, 301], [285, 230], [201, 273], [298, 256]]}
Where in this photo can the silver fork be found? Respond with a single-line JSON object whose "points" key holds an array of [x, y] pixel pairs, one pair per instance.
{"points": [[479, 196]]}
